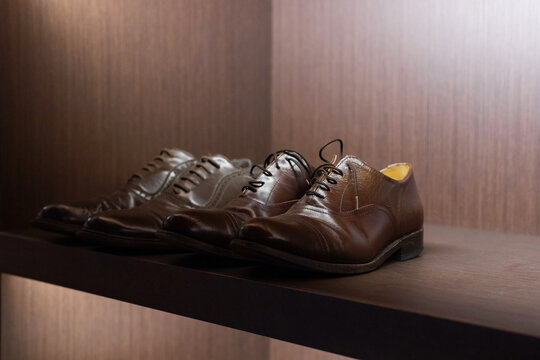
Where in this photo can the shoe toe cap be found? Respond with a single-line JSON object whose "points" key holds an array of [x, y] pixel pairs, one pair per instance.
{"points": [[214, 226], [125, 223], [65, 213], [285, 233]]}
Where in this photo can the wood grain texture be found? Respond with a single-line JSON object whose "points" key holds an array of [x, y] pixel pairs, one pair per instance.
{"points": [[91, 91], [40, 321], [452, 87]]}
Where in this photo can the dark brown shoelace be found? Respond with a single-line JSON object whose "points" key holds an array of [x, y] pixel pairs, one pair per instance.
{"points": [[294, 158], [321, 176], [151, 166], [179, 185]]}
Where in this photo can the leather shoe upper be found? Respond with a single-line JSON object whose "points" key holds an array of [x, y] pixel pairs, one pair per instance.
{"points": [[211, 182], [145, 185], [349, 215], [283, 179]]}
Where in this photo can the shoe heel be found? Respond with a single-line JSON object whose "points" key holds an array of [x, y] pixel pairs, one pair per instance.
{"points": [[411, 246]]}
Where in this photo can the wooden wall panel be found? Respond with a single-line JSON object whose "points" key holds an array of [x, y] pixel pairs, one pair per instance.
{"points": [[453, 87], [91, 91], [41, 322]]}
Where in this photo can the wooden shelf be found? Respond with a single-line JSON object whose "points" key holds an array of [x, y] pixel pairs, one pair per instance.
{"points": [[473, 294]]}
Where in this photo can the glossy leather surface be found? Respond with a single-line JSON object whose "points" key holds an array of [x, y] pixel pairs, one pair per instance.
{"points": [[211, 182], [145, 185], [285, 183], [355, 220]]}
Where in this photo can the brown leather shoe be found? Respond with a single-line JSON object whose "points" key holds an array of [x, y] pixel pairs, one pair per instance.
{"points": [[351, 220], [211, 182], [283, 179], [150, 182]]}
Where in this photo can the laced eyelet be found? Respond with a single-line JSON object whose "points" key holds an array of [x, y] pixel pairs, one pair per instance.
{"points": [[193, 171], [324, 172], [295, 158], [151, 165]]}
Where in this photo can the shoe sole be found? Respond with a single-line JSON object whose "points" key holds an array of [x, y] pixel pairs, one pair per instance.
{"points": [[186, 242], [56, 225], [404, 248], [127, 242]]}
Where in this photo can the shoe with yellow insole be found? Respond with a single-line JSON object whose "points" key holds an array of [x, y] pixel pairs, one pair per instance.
{"points": [[351, 220]]}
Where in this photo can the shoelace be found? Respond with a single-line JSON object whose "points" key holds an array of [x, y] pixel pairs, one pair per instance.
{"points": [[294, 159], [179, 185], [321, 176], [323, 173], [151, 166]]}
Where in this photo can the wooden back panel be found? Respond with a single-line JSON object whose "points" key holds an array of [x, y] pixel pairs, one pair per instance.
{"points": [[92, 91], [452, 87]]}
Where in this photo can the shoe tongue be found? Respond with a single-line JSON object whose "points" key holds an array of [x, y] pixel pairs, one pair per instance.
{"points": [[177, 153], [346, 162], [356, 172], [351, 160], [287, 183], [359, 167], [158, 173], [226, 163], [279, 161], [197, 186], [336, 159], [209, 166], [219, 159], [272, 167], [285, 160]]}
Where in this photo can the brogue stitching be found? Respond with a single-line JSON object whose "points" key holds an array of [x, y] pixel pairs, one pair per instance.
{"points": [[272, 191]]}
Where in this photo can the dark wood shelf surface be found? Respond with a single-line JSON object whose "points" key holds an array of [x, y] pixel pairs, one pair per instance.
{"points": [[472, 294]]}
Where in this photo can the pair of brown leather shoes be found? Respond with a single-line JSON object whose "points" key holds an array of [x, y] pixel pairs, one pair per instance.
{"points": [[276, 186], [349, 218], [130, 217], [344, 217], [147, 184], [211, 182]]}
